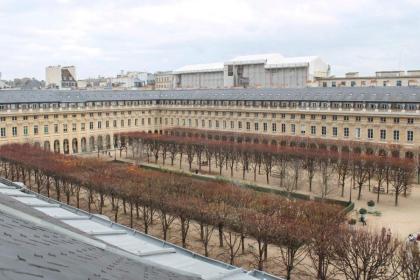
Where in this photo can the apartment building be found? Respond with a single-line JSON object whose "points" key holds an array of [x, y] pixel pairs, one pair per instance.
{"points": [[88, 121], [163, 80], [60, 77], [410, 78]]}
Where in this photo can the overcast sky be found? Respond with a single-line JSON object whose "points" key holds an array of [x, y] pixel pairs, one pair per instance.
{"points": [[102, 37]]}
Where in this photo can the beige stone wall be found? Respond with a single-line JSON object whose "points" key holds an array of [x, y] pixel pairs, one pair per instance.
{"points": [[101, 124]]}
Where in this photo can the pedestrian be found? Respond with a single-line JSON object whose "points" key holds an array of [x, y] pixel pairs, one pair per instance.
{"points": [[363, 220]]}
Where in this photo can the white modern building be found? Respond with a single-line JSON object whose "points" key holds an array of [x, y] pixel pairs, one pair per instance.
{"points": [[199, 76], [255, 71], [132, 80], [410, 78], [61, 77]]}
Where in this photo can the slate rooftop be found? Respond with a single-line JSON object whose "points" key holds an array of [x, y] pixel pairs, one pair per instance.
{"points": [[349, 94], [41, 238]]}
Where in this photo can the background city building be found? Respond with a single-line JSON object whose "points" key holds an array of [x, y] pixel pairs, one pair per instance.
{"points": [[163, 80], [380, 79], [60, 77], [132, 80], [87, 121], [255, 71]]}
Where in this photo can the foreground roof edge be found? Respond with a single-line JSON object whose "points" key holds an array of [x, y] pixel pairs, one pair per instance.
{"points": [[222, 270]]}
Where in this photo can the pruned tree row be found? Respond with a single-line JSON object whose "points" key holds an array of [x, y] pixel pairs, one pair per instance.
{"points": [[307, 233], [274, 157]]}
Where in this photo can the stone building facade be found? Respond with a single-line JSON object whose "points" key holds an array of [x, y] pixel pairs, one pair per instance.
{"points": [[79, 121]]}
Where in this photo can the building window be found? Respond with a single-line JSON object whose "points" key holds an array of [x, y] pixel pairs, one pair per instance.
{"points": [[248, 125], [82, 126], [410, 136], [45, 129], [107, 124], [25, 131], [239, 124], [302, 129], [55, 128], [122, 123], [256, 126], [283, 128], [3, 132], [353, 83], [91, 125], [370, 119], [383, 120], [292, 116], [396, 120], [334, 117], [323, 117], [324, 131], [313, 117], [383, 134], [335, 131], [74, 127], [313, 130], [293, 128], [14, 131], [114, 123], [410, 120], [274, 127], [358, 118], [265, 127], [217, 124], [232, 124], [65, 128], [357, 132], [35, 130], [396, 135], [399, 83], [346, 132], [346, 118], [370, 133]]}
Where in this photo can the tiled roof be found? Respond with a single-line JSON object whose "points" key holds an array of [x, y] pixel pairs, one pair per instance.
{"points": [[345, 94], [41, 238]]}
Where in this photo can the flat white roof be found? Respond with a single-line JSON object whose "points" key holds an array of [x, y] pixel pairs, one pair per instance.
{"points": [[209, 67]]}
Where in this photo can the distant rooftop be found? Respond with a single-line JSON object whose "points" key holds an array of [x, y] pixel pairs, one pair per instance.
{"points": [[209, 67], [341, 94]]}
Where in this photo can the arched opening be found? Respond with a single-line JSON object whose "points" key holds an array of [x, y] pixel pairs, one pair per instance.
{"points": [[83, 145], [409, 155], [382, 153], [74, 146], [91, 143], [66, 147], [100, 143], [115, 141], [369, 151], [108, 142], [395, 154], [37, 145], [357, 150], [47, 145], [345, 149], [56, 146]]}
